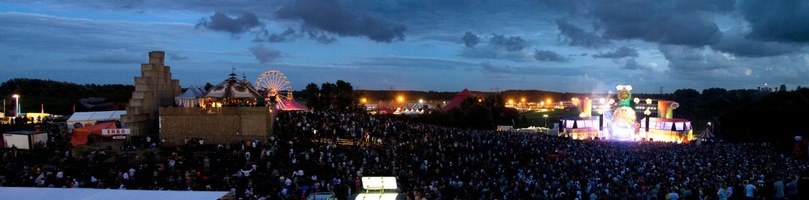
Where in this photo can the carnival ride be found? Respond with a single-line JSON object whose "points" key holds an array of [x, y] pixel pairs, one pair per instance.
{"points": [[277, 90]]}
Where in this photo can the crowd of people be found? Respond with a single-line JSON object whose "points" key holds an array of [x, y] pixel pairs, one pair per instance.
{"points": [[313, 152]]}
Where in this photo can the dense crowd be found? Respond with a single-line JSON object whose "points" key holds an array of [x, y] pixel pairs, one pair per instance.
{"points": [[329, 152]]}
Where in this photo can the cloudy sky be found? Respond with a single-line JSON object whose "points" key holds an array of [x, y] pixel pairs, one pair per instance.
{"points": [[439, 45]]}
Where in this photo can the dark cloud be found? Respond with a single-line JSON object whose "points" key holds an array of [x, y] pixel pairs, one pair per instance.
{"points": [[470, 39], [739, 45], [511, 43], [488, 67], [576, 36], [621, 52], [264, 54], [331, 16], [323, 39], [290, 35], [115, 56], [683, 23], [286, 36], [235, 26], [493, 52], [177, 57], [548, 55], [320, 36], [783, 20], [694, 61], [631, 64], [498, 47]]}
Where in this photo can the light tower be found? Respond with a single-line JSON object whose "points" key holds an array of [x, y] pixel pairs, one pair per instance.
{"points": [[17, 103]]}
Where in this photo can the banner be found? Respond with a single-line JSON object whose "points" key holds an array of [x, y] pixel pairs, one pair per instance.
{"points": [[116, 131]]}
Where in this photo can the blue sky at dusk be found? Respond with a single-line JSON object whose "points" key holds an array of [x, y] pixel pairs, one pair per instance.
{"points": [[440, 45]]}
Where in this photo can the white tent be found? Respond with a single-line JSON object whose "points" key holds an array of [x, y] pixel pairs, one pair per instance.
{"points": [[90, 118], [190, 98]]}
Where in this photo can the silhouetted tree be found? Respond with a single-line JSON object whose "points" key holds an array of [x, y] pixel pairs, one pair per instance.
{"points": [[331, 96], [346, 99], [312, 93]]}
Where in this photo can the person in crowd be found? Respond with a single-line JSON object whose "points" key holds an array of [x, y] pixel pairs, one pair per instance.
{"points": [[749, 190]]}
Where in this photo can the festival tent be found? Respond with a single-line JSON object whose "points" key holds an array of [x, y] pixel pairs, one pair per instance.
{"points": [[458, 99], [232, 88], [80, 134], [384, 108], [90, 118], [190, 98]]}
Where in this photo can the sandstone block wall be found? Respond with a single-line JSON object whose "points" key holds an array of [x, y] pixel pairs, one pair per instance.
{"points": [[153, 89], [214, 125]]}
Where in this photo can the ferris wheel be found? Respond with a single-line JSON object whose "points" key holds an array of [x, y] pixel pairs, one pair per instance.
{"points": [[274, 86]]}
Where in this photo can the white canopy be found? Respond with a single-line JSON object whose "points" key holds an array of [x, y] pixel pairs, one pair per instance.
{"points": [[89, 118], [190, 98]]}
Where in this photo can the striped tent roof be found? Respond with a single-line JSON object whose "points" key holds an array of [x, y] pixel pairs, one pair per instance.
{"points": [[233, 88]]}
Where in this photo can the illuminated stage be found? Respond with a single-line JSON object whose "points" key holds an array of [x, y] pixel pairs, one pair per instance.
{"points": [[623, 121]]}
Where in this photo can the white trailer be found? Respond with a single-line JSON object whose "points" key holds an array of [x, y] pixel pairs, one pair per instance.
{"points": [[24, 139]]}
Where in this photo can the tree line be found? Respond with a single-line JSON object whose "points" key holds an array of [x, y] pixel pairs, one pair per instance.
{"points": [[58, 97]]}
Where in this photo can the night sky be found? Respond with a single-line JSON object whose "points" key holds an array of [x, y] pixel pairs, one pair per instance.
{"points": [[440, 45]]}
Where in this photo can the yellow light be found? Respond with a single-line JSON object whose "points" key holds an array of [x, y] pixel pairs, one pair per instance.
{"points": [[548, 100], [648, 101], [400, 99], [363, 100], [511, 101], [421, 101], [522, 99]]}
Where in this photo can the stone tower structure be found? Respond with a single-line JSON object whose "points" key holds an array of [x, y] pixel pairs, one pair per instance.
{"points": [[153, 89]]}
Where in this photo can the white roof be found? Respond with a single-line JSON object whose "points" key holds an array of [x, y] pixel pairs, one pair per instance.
{"points": [[103, 194], [192, 93], [96, 116]]}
